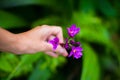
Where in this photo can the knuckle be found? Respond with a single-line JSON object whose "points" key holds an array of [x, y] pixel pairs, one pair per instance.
{"points": [[59, 28], [44, 26], [38, 27]]}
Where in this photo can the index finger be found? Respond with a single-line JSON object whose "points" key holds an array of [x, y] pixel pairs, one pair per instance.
{"points": [[57, 31]]}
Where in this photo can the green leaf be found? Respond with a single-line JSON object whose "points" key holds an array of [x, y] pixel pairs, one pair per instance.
{"points": [[25, 65], [8, 20], [106, 8], [60, 7], [5, 65], [8, 61], [86, 5], [46, 67], [92, 29], [41, 71], [13, 3], [50, 3], [29, 59], [96, 36], [91, 67], [86, 19], [56, 62]]}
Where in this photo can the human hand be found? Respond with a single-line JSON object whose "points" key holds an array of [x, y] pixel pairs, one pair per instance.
{"points": [[36, 40]]}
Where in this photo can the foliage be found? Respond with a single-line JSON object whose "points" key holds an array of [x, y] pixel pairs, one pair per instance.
{"points": [[99, 36]]}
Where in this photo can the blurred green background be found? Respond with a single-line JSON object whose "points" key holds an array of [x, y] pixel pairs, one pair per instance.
{"points": [[99, 21]]}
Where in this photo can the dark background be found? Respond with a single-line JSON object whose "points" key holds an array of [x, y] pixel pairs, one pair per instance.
{"points": [[99, 21]]}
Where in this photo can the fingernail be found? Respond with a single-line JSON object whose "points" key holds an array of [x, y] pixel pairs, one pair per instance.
{"points": [[66, 54]]}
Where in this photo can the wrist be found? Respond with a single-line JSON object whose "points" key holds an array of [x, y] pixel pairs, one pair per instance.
{"points": [[19, 44], [14, 44], [8, 42]]}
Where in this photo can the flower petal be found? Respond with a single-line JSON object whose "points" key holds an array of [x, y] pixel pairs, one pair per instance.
{"points": [[54, 42], [73, 30], [77, 55], [73, 26], [79, 48], [71, 53]]}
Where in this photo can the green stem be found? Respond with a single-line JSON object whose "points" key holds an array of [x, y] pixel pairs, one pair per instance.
{"points": [[14, 71]]}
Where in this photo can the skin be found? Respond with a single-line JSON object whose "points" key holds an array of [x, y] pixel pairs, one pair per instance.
{"points": [[32, 41]]}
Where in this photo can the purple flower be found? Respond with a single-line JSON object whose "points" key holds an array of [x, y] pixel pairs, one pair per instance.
{"points": [[73, 30], [76, 52], [66, 44], [76, 44], [54, 42]]}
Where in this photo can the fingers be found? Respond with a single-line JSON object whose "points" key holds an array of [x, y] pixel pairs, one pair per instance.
{"points": [[57, 31], [50, 33], [52, 54], [60, 50], [52, 30]]}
